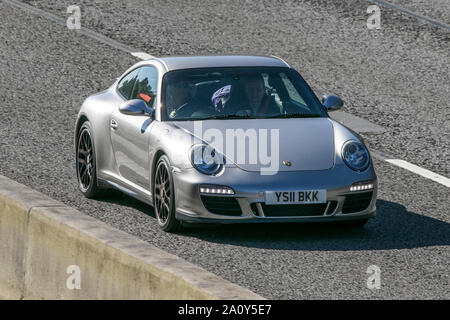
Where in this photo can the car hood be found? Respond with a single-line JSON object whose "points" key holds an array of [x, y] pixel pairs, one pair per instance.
{"points": [[281, 144]]}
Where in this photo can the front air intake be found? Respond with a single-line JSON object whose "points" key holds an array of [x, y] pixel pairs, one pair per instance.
{"points": [[357, 202], [227, 206]]}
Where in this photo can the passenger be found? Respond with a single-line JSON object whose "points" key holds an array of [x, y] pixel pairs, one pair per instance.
{"points": [[220, 97]]}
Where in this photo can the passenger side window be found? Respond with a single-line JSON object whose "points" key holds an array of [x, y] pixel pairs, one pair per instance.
{"points": [[272, 90], [293, 93], [146, 85], [126, 85]]}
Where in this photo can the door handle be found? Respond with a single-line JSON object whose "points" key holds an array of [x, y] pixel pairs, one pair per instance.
{"points": [[114, 124]]}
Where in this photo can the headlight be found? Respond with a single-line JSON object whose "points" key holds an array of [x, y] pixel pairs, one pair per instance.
{"points": [[355, 155], [207, 160]]}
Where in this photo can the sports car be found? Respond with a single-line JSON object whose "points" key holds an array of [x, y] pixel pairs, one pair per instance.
{"points": [[223, 139]]}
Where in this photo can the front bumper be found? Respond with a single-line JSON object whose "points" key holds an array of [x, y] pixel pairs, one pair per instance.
{"points": [[250, 190]]}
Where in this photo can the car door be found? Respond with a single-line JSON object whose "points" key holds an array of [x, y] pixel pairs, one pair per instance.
{"points": [[130, 133]]}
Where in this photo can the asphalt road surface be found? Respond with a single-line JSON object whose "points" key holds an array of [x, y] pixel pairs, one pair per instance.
{"points": [[396, 77]]}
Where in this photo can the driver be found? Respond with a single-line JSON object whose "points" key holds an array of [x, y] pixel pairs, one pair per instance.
{"points": [[258, 100], [255, 90]]}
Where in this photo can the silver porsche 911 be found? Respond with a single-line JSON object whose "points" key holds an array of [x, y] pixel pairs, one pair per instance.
{"points": [[223, 139]]}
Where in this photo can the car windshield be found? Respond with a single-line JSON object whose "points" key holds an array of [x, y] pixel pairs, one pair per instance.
{"points": [[237, 93]]}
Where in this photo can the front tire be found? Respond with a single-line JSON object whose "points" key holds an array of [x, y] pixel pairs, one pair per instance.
{"points": [[86, 164], [164, 196]]}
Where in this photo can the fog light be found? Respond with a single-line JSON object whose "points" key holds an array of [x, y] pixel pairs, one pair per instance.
{"points": [[362, 186], [213, 189]]}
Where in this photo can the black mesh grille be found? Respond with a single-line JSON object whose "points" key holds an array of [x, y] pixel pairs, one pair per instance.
{"points": [[294, 210], [333, 205], [357, 202], [222, 205], [254, 209]]}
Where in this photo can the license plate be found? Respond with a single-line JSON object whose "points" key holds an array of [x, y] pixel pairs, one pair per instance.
{"points": [[293, 197]]}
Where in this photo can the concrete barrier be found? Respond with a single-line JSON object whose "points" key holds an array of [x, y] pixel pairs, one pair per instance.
{"points": [[40, 238]]}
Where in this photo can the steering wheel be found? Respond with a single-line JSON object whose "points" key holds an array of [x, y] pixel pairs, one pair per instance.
{"points": [[176, 111], [244, 112]]}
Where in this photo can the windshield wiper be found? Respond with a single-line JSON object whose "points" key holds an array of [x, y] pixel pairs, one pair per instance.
{"points": [[226, 116], [296, 115], [233, 116]]}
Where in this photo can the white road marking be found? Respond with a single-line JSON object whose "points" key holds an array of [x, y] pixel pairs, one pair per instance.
{"points": [[357, 124], [420, 171], [142, 55], [87, 32], [413, 168], [145, 56]]}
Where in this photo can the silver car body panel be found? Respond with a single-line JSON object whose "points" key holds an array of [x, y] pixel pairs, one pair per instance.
{"points": [[316, 153], [126, 155]]}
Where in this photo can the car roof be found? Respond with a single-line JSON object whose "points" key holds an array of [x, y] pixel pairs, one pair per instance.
{"points": [[189, 62]]}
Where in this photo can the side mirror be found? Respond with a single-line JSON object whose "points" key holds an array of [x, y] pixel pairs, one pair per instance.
{"points": [[136, 107], [332, 102]]}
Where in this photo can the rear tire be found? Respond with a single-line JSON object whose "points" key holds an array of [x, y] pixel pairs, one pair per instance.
{"points": [[86, 164], [164, 196]]}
